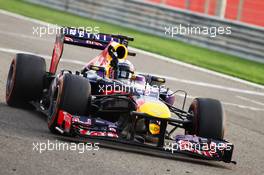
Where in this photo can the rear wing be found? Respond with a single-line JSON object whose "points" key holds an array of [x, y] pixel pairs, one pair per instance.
{"points": [[97, 41], [82, 38]]}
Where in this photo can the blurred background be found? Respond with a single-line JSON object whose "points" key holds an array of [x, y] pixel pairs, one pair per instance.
{"points": [[248, 11], [155, 17]]}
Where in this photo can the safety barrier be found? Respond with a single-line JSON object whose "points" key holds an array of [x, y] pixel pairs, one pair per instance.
{"points": [[245, 41]]}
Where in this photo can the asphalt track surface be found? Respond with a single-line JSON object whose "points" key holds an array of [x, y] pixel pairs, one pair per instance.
{"points": [[19, 129]]}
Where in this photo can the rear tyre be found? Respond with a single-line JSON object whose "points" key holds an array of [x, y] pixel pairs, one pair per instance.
{"points": [[208, 120], [72, 94], [25, 80]]}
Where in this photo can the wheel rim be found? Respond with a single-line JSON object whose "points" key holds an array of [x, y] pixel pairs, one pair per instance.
{"points": [[10, 80], [193, 128], [53, 107]]}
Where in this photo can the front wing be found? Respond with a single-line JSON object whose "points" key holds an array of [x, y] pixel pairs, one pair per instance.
{"points": [[99, 129]]}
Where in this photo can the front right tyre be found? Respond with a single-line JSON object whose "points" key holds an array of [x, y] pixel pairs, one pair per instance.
{"points": [[71, 94]]}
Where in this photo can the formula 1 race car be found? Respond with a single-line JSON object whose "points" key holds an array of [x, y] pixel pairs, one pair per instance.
{"points": [[109, 101]]}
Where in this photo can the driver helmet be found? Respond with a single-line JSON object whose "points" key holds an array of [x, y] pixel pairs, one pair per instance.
{"points": [[125, 70]]}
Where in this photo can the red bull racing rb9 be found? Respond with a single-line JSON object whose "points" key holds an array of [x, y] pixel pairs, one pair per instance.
{"points": [[108, 101]]}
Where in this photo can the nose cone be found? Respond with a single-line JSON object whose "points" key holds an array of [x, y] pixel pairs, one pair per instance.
{"points": [[156, 109]]}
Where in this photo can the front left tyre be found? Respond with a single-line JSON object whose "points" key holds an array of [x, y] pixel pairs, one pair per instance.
{"points": [[25, 80], [208, 118]]}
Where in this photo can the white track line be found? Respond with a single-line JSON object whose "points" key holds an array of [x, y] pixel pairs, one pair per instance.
{"points": [[66, 60], [250, 100], [242, 106], [24, 36], [171, 60], [15, 15], [227, 104], [208, 85]]}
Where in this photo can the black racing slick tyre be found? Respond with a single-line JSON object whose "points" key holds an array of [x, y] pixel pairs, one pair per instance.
{"points": [[72, 94], [208, 118], [25, 80]]}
